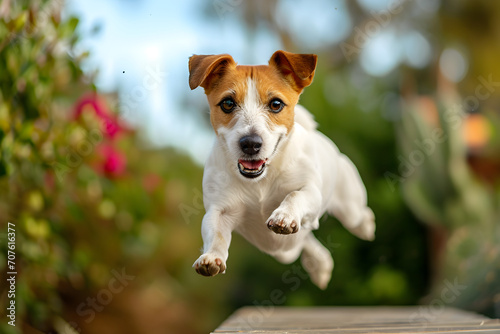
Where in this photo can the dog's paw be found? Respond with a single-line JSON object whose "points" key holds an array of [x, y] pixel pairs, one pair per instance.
{"points": [[283, 223], [209, 265], [366, 230]]}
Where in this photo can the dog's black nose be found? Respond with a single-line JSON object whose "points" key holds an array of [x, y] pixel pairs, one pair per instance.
{"points": [[251, 144]]}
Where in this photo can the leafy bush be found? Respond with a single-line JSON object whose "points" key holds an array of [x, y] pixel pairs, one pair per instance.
{"points": [[86, 199]]}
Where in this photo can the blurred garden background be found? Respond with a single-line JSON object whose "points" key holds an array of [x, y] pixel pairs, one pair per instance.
{"points": [[102, 147]]}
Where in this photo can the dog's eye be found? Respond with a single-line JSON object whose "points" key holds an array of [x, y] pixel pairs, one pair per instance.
{"points": [[276, 105], [227, 105]]}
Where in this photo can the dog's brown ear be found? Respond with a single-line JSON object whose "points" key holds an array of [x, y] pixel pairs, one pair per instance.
{"points": [[203, 69], [298, 69]]}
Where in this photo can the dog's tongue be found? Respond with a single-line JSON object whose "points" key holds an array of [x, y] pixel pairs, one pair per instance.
{"points": [[251, 164]]}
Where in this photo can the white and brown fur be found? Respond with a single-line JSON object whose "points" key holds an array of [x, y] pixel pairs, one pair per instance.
{"points": [[303, 174]]}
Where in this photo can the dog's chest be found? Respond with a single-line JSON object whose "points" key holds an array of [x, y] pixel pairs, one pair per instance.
{"points": [[261, 199], [259, 203]]}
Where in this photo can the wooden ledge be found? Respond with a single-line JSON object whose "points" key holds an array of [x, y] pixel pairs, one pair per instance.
{"points": [[376, 319]]}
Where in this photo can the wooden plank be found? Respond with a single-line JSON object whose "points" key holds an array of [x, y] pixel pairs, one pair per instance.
{"points": [[380, 319]]}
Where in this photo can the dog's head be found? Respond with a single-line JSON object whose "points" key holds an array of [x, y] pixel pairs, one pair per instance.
{"points": [[252, 107]]}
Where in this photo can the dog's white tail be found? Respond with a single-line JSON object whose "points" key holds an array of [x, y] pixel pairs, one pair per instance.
{"points": [[305, 118]]}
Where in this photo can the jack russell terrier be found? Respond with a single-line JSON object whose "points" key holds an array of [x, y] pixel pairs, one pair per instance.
{"points": [[280, 174]]}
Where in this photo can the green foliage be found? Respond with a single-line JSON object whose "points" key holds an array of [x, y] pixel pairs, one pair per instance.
{"points": [[75, 221]]}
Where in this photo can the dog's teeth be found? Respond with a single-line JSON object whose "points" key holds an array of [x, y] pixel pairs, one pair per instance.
{"points": [[248, 171], [255, 170]]}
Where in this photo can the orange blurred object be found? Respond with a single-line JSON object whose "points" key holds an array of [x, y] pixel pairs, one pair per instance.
{"points": [[477, 131]]}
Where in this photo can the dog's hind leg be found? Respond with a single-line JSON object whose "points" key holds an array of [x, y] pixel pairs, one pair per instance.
{"points": [[360, 221], [349, 202], [366, 228], [317, 261]]}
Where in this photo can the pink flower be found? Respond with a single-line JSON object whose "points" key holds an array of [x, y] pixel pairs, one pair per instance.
{"points": [[111, 126], [110, 161], [114, 162]]}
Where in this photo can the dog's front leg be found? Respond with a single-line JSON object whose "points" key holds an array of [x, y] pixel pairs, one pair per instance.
{"points": [[299, 207], [216, 232]]}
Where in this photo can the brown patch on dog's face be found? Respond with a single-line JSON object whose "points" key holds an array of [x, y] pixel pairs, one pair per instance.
{"points": [[232, 85], [284, 78], [270, 85]]}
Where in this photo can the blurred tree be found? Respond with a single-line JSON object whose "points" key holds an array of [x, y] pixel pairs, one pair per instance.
{"points": [[461, 205], [105, 232], [463, 214]]}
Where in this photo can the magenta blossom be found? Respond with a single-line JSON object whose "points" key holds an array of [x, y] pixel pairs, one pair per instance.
{"points": [[111, 126], [114, 161]]}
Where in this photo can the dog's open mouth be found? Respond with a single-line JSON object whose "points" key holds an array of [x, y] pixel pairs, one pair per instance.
{"points": [[251, 168]]}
